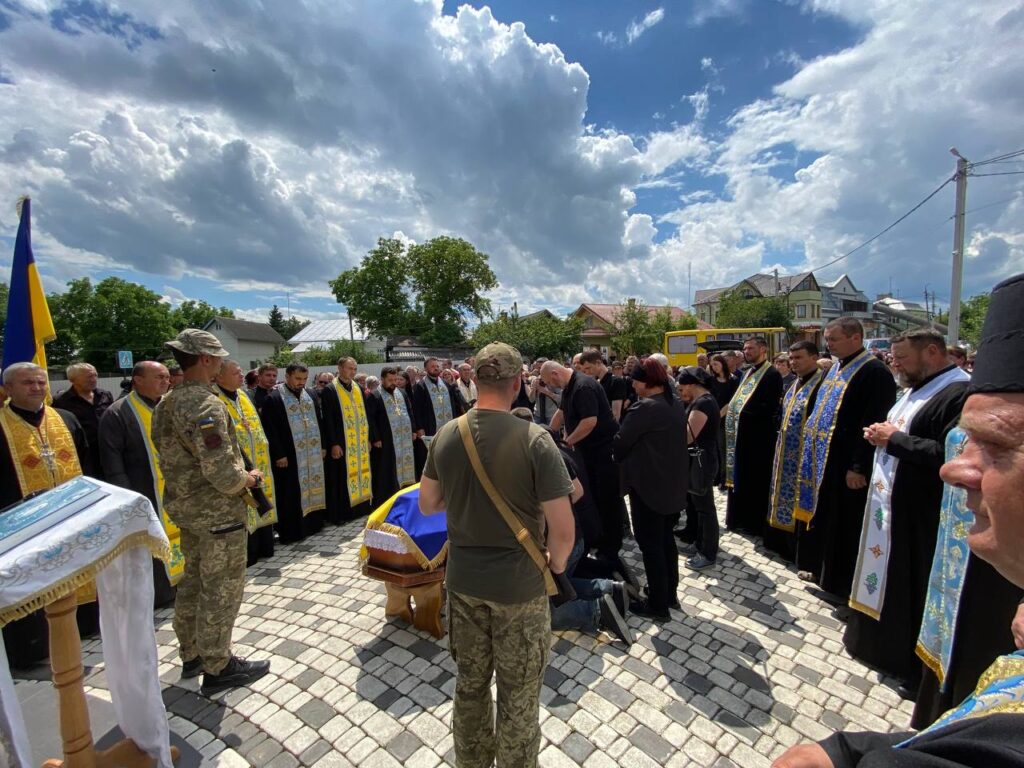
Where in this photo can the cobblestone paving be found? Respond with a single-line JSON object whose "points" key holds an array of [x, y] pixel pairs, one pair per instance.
{"points": [[751, 665]]}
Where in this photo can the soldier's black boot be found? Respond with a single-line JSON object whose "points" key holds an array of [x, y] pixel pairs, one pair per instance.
{"points": [[237, 673], [191, 668]]}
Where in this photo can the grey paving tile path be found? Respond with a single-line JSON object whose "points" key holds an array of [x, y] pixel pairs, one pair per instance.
{"points": [[751, 665]]}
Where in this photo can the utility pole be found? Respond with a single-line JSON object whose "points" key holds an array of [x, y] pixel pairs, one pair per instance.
{"points": [[689, 285], [953, 335]]}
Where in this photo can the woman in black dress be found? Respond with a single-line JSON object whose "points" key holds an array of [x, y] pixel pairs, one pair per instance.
{"points": [[702, 419]]}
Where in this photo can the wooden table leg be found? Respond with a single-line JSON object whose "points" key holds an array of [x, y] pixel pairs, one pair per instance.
{"points": [[427, 613], [66, 663], [398, 602], [75, 731]]}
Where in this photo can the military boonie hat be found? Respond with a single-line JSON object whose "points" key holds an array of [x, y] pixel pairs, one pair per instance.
{"points": [[498, 361], [192, 341]]}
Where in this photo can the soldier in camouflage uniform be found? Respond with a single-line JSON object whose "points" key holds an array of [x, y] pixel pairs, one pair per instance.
{"points": [[204, 487], [499, 620]]}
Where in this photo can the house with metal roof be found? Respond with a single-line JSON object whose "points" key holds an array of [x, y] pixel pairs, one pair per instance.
{"points": [[247, 342], [324, 333]]}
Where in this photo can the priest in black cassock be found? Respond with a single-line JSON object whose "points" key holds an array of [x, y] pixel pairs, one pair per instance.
{"points": [[986, 730], [40, 448], [293, 425], [751, 429], [266, 380], [836, 459], [392, 459], [349, 436], [901, 518], [129, 458], [435, 402]]}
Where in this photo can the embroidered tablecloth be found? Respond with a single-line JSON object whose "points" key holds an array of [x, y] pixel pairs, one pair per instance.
{"points": [[113, 542]]}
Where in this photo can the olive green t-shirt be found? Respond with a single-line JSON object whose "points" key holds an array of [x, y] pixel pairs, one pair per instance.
{"points": [[484, 559]]}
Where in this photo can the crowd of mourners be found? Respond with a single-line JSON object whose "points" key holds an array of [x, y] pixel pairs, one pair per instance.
{"points": [[828, 458]]}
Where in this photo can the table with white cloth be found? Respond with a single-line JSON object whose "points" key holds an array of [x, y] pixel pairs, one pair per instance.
{"points": [[112, 541]]}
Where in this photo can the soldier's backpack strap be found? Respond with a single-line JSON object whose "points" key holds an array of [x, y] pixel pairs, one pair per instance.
{"points": [[511, 519]]}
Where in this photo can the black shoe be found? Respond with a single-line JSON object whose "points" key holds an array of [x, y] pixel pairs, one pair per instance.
{"points": [[688, 549], [907, 692], [672, 603], [613, 621], [237, 673], [190, 669], [842, 612], [620, 594], [624, 573], [643, 608]]}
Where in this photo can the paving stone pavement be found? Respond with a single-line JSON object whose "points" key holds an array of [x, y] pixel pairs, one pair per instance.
{"points": [[752, 664]]}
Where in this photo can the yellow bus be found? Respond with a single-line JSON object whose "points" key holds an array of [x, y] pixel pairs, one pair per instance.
{"points": [[682, 347]]}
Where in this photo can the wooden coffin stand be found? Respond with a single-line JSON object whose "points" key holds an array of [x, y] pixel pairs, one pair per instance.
{"points": [[413, 594]]}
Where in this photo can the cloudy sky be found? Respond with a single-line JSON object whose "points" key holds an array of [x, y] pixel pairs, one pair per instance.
{"points": [[244, 153]]}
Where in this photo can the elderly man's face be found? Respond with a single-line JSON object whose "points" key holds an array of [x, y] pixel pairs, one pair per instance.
{"points": [[991, 469], [465, 373], [86, 379], [27, 389]]}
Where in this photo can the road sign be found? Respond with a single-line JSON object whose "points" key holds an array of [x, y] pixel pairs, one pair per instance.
{"points": [[124, 359]]}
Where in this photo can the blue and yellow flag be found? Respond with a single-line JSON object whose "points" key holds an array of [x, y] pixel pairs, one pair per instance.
{"points": [[425, 537], [29, 325]]}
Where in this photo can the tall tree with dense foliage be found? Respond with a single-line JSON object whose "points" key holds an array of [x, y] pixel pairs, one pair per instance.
{"points": [[972, 318], [535, 337], [94, 322], [196, 314], [640, 332], [737, 311], [427, 290], [275, 319]]}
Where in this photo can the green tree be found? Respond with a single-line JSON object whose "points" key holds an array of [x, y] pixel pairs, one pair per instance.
{"points": [[276, 319], [196, 314], [428, 290], [542, 336], [637, 331], [737, 311], [94, 322], [343, 348], [70, 312], [290, 326], [972, 318]]}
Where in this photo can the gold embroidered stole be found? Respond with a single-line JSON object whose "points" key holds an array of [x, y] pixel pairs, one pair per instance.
{"points": [[253, 441], [143, 414], [357, 443], [43, 458]]}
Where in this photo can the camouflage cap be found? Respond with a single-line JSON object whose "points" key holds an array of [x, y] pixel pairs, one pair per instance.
{"points": [[498, 361], [192, 341]]}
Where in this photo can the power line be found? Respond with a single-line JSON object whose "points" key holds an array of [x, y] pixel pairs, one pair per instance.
{"points": [[983, 207], [998, 158], [1000, 173], [900, 219]]}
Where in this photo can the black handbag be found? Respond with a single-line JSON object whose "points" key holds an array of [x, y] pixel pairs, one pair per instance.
{"points": [[699, 484]]}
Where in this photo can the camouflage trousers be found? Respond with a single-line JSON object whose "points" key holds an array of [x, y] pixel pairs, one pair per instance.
{"points": [[511, 642], [209, 594]]}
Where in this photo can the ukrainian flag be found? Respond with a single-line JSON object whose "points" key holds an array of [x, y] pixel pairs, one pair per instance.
{"points": [[29, 325]]}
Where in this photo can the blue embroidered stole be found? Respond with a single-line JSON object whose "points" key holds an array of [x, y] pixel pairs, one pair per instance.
{"points": [[440, 401], [786, 471], [401, 435], [1000, 690], [817, 434], [949, 567], [306, 438]]}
